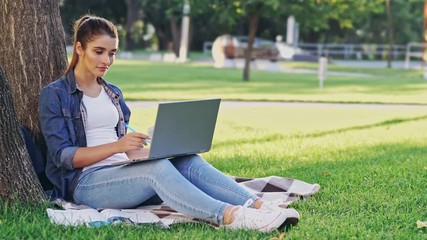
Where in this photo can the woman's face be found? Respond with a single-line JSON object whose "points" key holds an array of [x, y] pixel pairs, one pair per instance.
{"points": [[98, 55]]}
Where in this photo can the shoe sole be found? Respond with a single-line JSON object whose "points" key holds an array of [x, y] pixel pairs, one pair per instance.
{"points": [[288, 222], [280, 222]]}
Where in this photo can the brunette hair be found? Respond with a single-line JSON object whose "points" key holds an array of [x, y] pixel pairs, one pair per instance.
{"points": [[85, 30]]}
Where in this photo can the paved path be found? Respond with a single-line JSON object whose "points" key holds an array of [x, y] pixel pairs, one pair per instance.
{"points": [[229, 104]]}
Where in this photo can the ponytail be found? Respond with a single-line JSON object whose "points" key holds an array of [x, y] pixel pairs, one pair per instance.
{"points": [[85, 30]]}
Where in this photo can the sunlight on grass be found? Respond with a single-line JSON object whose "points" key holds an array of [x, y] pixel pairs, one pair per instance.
{"points": [[142, 80], [369, 161], [288, 120]]}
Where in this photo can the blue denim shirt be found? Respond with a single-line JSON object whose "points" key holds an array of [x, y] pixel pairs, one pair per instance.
{"points": [[63, 119]]}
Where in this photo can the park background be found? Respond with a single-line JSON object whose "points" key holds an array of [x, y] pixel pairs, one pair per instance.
{"points": [[361, 135]]}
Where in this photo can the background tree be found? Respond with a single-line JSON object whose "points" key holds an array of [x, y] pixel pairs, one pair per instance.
{"points": [[134, 13], [371, 25], [165, 16], [314, 17], [390, 32], [32, 54], [320, 21], [231, 12], [254, 9], [71, 10]]}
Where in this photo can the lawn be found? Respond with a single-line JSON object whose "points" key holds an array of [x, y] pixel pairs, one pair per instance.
{"points": [[142, 80], [368, 159]]}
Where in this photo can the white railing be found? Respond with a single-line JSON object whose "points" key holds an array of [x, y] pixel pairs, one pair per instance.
{"points": [[360, 51], [414, 50], [344, 51], [354, 51]]}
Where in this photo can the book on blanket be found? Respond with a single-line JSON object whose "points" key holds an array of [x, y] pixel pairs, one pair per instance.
{"points": [[93, 218]]}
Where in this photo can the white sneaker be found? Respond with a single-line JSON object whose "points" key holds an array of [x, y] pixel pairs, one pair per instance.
{"points": [[258, 219], [273, 205], [292, 216]]}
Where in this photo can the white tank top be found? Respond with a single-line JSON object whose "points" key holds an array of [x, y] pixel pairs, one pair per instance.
{"points": [[102, 118]]}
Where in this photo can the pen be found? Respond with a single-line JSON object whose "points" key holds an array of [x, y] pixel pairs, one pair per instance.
{"points": [[130, 128], [133, 130]]}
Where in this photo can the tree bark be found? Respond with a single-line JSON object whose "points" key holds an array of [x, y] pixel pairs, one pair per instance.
{"points": [[390, 33], [176, 36], [32, 54], [253, 27], [161, 36], [134, 13], [17, 176]]}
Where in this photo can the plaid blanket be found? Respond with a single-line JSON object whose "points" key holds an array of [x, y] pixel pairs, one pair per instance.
{"points": [[268, 188]]}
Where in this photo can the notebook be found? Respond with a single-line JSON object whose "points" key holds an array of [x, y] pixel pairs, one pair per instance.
{"points": [[181, 128]]}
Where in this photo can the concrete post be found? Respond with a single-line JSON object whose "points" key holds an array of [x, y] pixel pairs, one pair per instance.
{"points": [[323, 66], [183, 49]]}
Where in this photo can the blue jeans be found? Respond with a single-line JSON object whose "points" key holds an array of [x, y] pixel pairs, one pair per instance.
{"points": [[187, 184]]}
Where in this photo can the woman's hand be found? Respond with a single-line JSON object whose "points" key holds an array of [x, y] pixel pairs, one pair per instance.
{"points": [[85, 156], [132, 141]]}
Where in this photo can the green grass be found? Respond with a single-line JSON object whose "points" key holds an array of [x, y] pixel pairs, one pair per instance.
{"points": [[369, 160], [193, 55], [365, 70], [142, 80]]}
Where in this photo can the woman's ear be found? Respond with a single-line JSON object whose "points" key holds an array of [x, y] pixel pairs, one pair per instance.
{"points": [[79, 48]]}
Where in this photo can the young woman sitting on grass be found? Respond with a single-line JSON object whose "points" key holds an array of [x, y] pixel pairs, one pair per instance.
{"points": [[83, 121]]}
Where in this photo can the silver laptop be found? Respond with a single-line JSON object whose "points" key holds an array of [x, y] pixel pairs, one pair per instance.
{"points": [[181, 128]]}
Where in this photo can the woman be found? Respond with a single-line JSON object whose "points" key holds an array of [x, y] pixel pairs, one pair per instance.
{"points": [[83, 139]]}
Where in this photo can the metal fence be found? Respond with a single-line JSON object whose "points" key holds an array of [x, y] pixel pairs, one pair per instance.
{"points": [[345, 51], [415, 50], [409, 52], [354, 51]]}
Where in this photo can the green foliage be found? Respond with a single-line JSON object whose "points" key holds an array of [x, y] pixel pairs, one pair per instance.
{"points": [[407, 21], [164, 9], [332, 21], [71, 10], [137, 31], [228, 13]]}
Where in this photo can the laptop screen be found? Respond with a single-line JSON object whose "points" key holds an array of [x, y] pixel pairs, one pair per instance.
{"points": [[184, 127]]}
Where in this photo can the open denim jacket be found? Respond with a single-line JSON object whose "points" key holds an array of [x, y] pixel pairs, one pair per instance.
{"points": [[63, 118]]}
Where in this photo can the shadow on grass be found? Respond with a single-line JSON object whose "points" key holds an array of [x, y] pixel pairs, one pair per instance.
{"points": [[364, 127], [365, 190], [377, 191], [278, 137]]}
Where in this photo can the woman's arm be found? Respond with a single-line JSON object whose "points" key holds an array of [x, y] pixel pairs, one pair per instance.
{"points": [[53, 121], [62, 146], [85, 156]]}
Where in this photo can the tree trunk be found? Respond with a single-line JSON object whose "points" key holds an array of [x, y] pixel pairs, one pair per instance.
{"points": [[253, 27], [390, 33], [134, 13], [32, 54], [176, 36], [163, 39], [17, 175]]}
